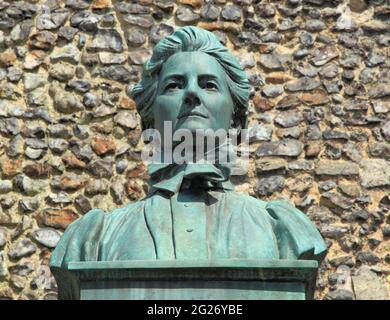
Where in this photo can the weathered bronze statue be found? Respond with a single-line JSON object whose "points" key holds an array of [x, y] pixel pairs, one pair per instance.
{"points": [[192, 211]]}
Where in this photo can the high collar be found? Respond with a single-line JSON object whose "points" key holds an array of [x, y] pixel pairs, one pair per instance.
{"points": [[171, 177]]}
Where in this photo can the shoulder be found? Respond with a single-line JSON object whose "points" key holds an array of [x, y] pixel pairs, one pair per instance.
{"points": [[245, 199]]}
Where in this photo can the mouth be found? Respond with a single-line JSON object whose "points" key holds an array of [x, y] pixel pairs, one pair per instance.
{"points": [[192, 114]]}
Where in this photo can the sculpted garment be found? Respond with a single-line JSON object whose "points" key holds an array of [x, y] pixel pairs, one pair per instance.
{"points": [[206, 221]]}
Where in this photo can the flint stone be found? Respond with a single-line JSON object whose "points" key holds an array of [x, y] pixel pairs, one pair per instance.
{"points": [[22, 249], [14, 74], [66, 102], [306, 70], [271, 62], [306, 39], [118, 73], [47, 237], [67, 52], [303, 84], [37, 97], [134, 8], [323, 55], [381, 106], [340, 294], [380, 150], [59, 131], [60, 197], [258, 133], [33, 81], [379, 90], [335, 134], [369, 286], [139, 56], [29, 205], [10, 126], [58, 145], [136, 37], [385, 129], [315, 25], [54, 20], [269, 185], [352, 152], [287, 25], [336, 168], [272, 37], [95, 187], [375, 59], [285, 147], [247, 61], [267, 165], [127, 119], [44, 280], [289, 119], [333, 232], [15, 147], [272, 91], [62, 71], [34, 154], [3, 236], [210, 12], [158, 32], [143, 21], [77, 4], [82, 151], [336, 202], [350, 61], [79, 85], [90, 100], [111, 58], [101, 168], [231, 13], [28, 186], [85, 21], [83, 203], [5, 186], [36, 143], [375, 173], [67, 33], [186, 15], [106, 39], [22, 269], [288, 102]]}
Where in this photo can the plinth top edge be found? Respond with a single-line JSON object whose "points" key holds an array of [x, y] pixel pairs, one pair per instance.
{"points": [[190, 264]]}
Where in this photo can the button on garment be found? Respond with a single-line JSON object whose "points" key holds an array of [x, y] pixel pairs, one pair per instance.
{"points": [[189, 224]]}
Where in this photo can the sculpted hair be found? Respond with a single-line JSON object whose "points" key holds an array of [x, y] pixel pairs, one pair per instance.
{"points": [[190, 39]]}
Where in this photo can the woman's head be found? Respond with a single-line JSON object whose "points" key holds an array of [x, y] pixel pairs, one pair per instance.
{"points": [[193, 80]]}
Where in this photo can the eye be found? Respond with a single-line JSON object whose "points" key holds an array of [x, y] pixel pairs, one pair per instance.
{"points": [[208, 85], [211, 86], [173, 86]]}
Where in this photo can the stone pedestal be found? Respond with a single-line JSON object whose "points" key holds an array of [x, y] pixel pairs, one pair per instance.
{"points": [[188, 280]]}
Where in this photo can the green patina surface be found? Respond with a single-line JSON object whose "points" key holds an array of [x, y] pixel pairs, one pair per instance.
{"points": [[191, 279], [191, 212]]}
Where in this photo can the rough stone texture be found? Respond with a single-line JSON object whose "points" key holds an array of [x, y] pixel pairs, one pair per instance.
{"points": [[318, 118], [368, 285]]}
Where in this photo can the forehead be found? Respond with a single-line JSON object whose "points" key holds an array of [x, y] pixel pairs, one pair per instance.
{"points": [[192, 63]]}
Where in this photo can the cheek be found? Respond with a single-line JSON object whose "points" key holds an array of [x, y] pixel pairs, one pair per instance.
{"points": [[166, 107], [220, 107]]}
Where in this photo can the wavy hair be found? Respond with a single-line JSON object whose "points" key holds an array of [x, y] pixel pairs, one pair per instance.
{"points": [[190, 39]]}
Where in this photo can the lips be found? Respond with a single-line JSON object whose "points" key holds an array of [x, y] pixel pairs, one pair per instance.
{"points": [[192, 113]]}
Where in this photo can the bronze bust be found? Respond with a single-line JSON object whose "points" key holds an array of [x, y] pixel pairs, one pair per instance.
{"points": [[192, 212]]}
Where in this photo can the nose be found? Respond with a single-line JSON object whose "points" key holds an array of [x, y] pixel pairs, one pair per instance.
{"points": [[191, 97]]}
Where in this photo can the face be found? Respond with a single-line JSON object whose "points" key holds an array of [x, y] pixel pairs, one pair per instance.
{"points": [[193, 94]]}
